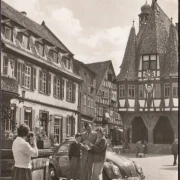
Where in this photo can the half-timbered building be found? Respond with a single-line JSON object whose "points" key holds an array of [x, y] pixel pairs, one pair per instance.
{"points": [[148, 79]]}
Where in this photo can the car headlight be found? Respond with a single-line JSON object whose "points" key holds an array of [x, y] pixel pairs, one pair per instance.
{"points": [[116, 170], [139, 168]]}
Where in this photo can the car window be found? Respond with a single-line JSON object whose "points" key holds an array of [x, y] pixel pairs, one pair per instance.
{"points": [[64, 149]]}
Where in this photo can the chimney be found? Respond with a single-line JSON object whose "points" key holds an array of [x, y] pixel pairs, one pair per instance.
{"points": [[177, 24], [24, 13]]}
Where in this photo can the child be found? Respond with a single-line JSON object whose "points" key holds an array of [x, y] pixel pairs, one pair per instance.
{"points": [[74, 157]]}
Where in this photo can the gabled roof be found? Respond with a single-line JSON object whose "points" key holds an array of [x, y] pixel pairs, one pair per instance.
{"points": [[76, 67], [100, 69], [171, 61], [29, 24], [128, 69]]}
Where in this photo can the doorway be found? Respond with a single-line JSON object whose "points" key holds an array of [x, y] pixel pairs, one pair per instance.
{"points": [[139, 130], [163, 132], [58, 130]]}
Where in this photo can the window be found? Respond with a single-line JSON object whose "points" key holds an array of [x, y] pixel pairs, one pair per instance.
{"points": [[84, 99], [25, 42], [27, 77], [85, 78], [8, 67], [66, 63], [141, 91], [105, 93], [149, 62], [175, 89], [109, 77], [166, 90], [70, 91], [121, 91], [58, 87], [8, 33], [44, 82], [131, 91], [89, 102], [158, 91], [70, 126], [28, 117], [34, 78], [55, 57], [41, 49], [57, 130], [92, 102], [100, 111]]}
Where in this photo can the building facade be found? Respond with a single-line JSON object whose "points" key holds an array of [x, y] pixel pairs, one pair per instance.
{"points": [[148, 79], [38, 84], [106, 110], [87, 94]]}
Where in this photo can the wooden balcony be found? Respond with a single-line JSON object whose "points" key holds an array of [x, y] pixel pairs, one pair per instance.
{"points": [[9, 87]]}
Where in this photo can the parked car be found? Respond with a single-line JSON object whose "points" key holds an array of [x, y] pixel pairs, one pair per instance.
{"points": [[116, 166]]}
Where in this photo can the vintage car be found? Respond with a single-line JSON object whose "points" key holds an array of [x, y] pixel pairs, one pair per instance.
{"points": [[116, 167]]}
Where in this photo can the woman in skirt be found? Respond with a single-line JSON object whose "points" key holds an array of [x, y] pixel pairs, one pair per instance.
{"points": [[22, 152]]}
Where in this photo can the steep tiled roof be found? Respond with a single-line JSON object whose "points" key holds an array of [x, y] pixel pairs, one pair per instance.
{"points": [[100, 69], [171, 61], [128, 69], [77, 64], [27, 23]]}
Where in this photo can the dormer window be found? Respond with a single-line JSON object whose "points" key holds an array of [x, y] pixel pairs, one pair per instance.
{"points": [[8, 33], [149, 62], [55, 57], [8, 67], [66, 63], [25, 41], [41, 49]]}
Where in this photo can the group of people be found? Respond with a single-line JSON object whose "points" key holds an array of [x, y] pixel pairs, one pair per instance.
{"points": [[141, 147], [87, 154]]}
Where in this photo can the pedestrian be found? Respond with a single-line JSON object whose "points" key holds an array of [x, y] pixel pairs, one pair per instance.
{"points": [[87, 158], [30, 138], [74, 157], [138, 147], [145, 148], [99, 151], [22, 152], [174, 150]]}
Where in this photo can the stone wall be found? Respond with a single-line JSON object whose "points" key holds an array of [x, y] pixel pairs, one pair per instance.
{"points": [[153, 148]]}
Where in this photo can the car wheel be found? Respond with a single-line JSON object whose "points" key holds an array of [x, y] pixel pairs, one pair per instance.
{"points": [[105, 177], [52, 173]]}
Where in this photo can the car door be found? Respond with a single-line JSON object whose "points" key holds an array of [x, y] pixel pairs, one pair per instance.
{"points": [[63, 158]]}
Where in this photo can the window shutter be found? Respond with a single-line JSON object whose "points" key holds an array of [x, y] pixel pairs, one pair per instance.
{"points": [[34, 78], [40, 80], [5, 65], [67, 90], [72, 126], [62, 90], [15, 69], [55, 81], [23, 75], [19, 72], [74, 93], [49, 84], [32, 71]]}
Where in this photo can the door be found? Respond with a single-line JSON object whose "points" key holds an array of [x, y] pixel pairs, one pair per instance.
{"points": [[63, 158], [44, 121], [57, 130]]}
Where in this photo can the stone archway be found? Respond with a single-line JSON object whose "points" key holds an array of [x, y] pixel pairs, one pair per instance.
{"points": [[139, 130], [163, 132]]}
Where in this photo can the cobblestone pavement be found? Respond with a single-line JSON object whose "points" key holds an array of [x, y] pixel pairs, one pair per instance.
{"points": [[157, 167]]}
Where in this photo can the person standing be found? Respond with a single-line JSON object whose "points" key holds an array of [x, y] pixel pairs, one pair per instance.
{"points": [[87, 158], [138, 147], [99, 151], [74, 157], [22, 152], [145, 148], [174, 150]]}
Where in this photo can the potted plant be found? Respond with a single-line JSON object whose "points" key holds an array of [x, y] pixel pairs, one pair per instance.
{"points": [[42, 140], [8, 138]]}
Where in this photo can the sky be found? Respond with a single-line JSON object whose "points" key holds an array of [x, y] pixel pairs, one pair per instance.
{"points": [[93, 30]]}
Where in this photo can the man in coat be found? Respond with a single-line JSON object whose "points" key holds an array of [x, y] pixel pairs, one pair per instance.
{"points": [[174, 150], [87, 158]]}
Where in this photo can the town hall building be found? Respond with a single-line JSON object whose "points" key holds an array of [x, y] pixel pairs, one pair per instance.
{"points": [[148, 79]]}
